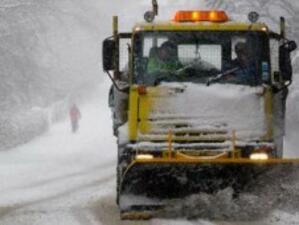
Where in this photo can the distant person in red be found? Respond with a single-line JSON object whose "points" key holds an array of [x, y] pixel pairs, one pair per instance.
{"points": [[75, 116]]}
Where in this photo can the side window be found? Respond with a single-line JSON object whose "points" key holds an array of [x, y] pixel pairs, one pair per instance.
{"points": [[274, 52], [208, 53], [123, 53], [111, 97], [148, 43]]}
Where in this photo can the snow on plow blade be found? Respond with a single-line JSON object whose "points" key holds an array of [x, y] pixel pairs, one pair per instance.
{"points": [[149, 185]]}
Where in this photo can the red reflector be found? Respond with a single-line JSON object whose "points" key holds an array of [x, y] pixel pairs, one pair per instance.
{"points": [[142, 90]]}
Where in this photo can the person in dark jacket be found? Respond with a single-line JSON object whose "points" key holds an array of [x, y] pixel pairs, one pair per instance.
{"points": [[75, 116], [246, 73]]}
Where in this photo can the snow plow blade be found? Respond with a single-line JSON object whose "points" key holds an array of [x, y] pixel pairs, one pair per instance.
{"points": [[149, 185]]}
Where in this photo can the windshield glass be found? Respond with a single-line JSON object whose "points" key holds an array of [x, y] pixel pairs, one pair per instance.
{"points": [[200, 57]]}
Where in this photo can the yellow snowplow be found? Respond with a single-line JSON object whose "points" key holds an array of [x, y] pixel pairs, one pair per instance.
{"points": [[200, 106]]}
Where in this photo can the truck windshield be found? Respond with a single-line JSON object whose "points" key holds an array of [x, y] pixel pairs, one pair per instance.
{"points": [[232, 57]]}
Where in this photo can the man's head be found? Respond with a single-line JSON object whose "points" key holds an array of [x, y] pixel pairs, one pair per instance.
{"points": [[242, 52], [167, 51]]}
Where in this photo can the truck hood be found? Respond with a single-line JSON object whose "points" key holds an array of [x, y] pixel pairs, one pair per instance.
{"points": [[200, 115]]}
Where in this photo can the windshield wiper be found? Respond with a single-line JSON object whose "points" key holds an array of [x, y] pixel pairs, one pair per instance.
{"points": [[222, 75]]}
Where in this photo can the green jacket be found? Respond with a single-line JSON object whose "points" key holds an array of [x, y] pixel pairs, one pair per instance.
{"points": [[156, 65]]}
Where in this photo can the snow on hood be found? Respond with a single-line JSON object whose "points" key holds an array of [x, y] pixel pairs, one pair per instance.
{"points": [[235, 107]]}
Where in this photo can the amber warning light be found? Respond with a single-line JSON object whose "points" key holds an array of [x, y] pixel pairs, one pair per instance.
{"points": [[196, 16]]}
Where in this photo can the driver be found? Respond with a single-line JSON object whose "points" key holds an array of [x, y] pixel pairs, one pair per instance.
{"points": [[164, 60], [246, 71]]}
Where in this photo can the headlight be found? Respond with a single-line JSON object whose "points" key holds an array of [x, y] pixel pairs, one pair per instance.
{"points": [[259, 156], [144, 156]]}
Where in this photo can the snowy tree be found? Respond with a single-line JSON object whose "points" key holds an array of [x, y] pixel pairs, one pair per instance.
{"points": [[48, 50], [269, 10]]}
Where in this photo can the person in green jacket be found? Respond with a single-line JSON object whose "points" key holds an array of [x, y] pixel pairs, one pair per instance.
{"points": [[164, 60]]}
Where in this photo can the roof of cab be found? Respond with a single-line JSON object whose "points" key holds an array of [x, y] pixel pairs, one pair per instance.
{"points": [[200, 26]]}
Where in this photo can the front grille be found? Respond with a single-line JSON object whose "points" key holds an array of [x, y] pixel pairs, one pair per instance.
{"points": [[185, 135]]}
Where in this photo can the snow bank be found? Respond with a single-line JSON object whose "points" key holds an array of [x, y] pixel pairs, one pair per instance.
{"points": [[21, 127]]}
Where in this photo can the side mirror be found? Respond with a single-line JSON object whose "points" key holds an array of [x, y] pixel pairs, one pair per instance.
{"points": [[291, 46], [108, 52], [285, 62]]}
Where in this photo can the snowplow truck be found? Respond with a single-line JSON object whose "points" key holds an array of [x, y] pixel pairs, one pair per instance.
{"points": [[199, 105]]}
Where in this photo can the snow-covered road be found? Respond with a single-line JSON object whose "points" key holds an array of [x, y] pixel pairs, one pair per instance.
{"points": [[69, 179], [56, 178]]}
